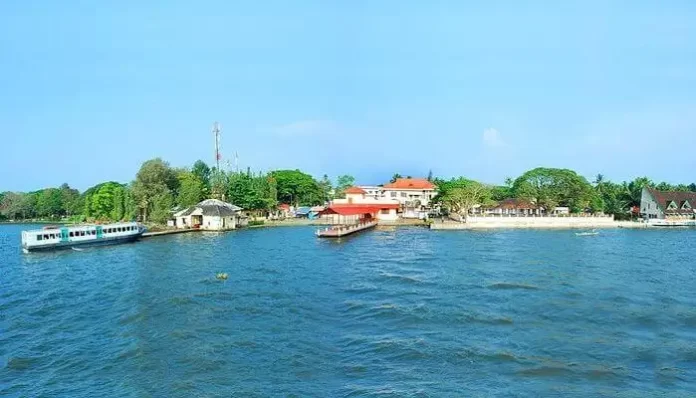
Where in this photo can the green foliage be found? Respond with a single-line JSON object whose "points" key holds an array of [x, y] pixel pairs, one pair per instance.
{"points": [[444, 187], [395, 177], [549, 188], [343, 182], [297, 188], [326, 188], [154, 185], [191, 189], [460, 199], [202, 171], [160, 207], [106, 201], [255, 223]]}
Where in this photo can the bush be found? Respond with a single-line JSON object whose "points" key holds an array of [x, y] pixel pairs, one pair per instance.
{"points": [[254, 223]]}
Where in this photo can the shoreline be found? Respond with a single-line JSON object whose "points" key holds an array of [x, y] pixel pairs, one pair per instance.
{"points": [[454, 226]]}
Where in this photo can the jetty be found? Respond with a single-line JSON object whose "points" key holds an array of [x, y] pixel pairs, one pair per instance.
{"points": [[338, 231]]}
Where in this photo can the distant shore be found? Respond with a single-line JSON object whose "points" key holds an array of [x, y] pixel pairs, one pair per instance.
{"points": [[538, 223]]}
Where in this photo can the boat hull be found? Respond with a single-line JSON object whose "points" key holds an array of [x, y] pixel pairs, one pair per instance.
{"points": [[89, 243]]}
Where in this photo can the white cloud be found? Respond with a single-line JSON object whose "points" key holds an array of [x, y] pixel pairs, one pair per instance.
{"points": [[305, 128], [492, 138]]}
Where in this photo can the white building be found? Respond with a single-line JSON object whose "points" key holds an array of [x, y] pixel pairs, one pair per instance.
{"points": [[656, 204], [211, 214], [383, 208]]}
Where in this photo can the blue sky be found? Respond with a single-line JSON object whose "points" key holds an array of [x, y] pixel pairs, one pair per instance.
{"points": [[87, 92]]}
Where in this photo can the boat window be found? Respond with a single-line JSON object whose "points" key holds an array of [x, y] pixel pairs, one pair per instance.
{"points": [[52, 236], [39, 237], [71, 234], [82, 233]]}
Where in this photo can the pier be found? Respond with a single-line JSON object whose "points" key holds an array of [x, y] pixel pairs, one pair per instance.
{"points": [[343, 230]]}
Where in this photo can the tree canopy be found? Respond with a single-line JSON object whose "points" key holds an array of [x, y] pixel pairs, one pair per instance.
{"points": [[297, 188], [550, 187]]}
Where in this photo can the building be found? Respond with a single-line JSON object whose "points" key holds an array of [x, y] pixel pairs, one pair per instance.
{"points": [[357, 199], [410, 190], [662, 205], [355, 213], [373, 191], [514, 207], [211, 214]]}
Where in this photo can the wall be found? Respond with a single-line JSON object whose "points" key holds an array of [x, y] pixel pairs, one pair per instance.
{"points": [[528, 222], [391, 215], [411, 194], [648, 206]]}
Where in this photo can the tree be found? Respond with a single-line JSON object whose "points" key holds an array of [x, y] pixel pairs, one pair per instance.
{"points": [[297, 188], [692, 187], [462, 199], [11, 205], [154, 186], [548, 187], [191, 189], [633, 191], [326, 188], [395, 177], [49, 203], [202, 171], [343, 182], [70, 199], [430, 175]]}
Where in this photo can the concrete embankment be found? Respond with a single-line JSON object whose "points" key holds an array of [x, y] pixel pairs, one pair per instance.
{"points": [[536, 223], [169, 232]]}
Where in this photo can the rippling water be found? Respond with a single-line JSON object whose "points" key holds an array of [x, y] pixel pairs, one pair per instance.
{"points": [[391, 312]]}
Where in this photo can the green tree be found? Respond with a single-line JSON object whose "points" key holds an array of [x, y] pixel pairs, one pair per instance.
{"points": [[462, 199], [153, 187], [202, 171], [633, 191], [191, 189], [326, 187], [297, 188], [11, 206], [49, 203], [70, 199], [343, 182], [430, 175], [548, 187], [395, 177]]}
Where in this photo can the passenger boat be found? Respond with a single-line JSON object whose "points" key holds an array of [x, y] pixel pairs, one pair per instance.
{"points": [[66, 237]]}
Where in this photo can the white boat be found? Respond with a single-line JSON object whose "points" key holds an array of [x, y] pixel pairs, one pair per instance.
{"points": [[66, 237], [590, 233]]}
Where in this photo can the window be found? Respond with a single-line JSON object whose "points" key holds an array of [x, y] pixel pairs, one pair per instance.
{"points": [[686, 205], [672, 205], [384, 211], [82, 233], [392, 194], [39, 237], [404, 195], [53, 236], [72, 234]]}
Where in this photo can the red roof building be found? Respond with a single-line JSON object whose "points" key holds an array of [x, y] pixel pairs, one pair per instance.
{"points": [[410, 183], [355, 191]]}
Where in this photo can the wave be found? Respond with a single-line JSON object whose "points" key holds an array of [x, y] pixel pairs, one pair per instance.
{"points": [[511, 286]]}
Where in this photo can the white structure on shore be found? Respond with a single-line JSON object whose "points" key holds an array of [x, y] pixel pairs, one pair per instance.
{"points": [[358, 198], [412, 194], [210, 214], [667, 205]]}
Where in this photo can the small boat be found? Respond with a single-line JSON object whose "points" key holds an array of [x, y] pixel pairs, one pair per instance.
{"points": [[589, 233], [343, 230], [70, 237]]}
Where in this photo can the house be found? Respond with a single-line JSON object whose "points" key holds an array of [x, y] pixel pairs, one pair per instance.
{"points": [[516, 207], [303, 212], [358, 198], [656, 204], [210, 214], [411, 192], [355, 213], [372, 191]]}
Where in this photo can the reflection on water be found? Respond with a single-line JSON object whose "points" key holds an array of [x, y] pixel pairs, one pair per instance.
{"points": [[389, 312]]}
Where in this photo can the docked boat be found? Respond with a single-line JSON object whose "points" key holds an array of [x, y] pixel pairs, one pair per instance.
{"points": [[66, 237], [587, 233], [338, 231]]}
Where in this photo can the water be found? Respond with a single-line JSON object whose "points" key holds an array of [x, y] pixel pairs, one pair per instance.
{"points": [[390, 313]]}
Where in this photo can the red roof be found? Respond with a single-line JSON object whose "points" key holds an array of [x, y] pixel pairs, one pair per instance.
{"points": [[514, 204], [355, 190], [354, 209], [410, 183], [284, 206]]}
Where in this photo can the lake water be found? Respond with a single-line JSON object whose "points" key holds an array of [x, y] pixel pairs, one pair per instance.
{"points": [[400, 312]]}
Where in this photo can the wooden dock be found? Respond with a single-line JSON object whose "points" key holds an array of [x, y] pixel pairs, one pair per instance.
{"points": [[343, 230]]}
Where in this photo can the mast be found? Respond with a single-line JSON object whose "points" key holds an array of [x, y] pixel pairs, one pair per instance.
{"points": [[216, 132]]}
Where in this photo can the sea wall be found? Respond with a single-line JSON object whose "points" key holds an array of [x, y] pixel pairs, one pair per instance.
{"points": [[533, 222]]}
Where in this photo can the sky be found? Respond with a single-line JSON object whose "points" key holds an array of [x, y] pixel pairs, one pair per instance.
{"points": [[90, 91]]}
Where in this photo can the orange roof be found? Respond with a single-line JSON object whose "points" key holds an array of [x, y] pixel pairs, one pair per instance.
{"points": [[410, 183], [355, 190]]}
